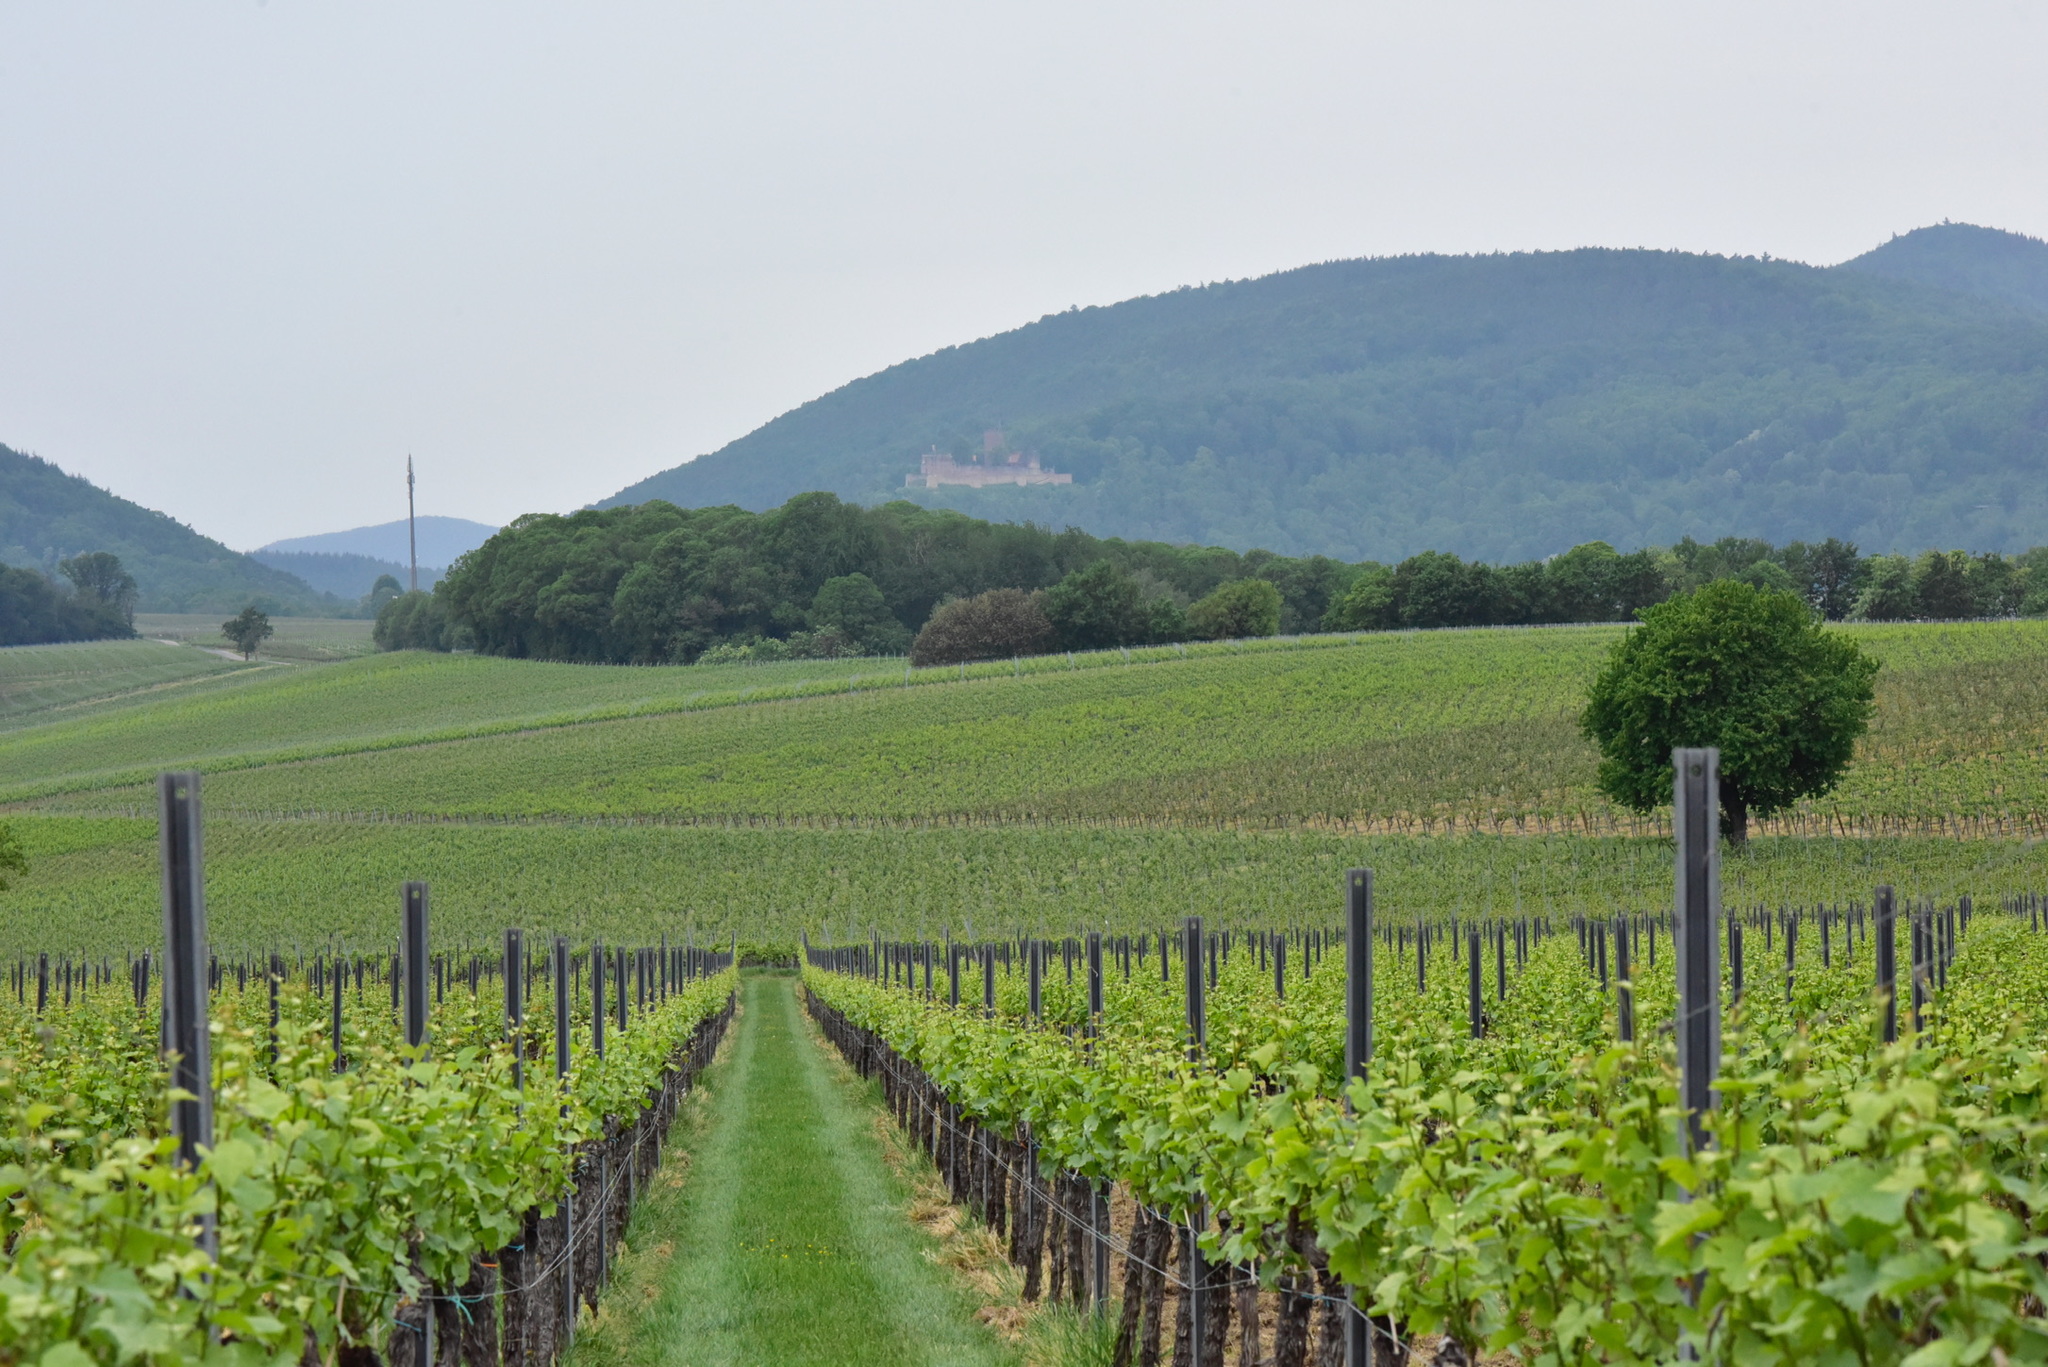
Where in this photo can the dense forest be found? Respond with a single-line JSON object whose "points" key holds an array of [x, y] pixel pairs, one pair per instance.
{"points": [[818, 576], [47, 516], [1494, 406]]}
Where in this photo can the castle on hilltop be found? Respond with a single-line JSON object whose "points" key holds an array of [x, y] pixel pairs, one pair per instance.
{"points": [[996, 465]]}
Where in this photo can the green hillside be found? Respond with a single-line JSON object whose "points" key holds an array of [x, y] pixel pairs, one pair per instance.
{"points": [[1238, 780], [1404, 731], [46, 515], [44, 683], [1505, 406]]}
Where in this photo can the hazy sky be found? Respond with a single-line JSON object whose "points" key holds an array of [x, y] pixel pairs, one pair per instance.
{"points": [[252, 254]]}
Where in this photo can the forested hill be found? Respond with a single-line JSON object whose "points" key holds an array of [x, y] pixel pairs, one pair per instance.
{"points": [[46, 515], [1965, 259], [1502, 406]]}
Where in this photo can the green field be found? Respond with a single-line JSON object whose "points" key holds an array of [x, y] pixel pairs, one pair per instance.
{"points": [[1403, 731], [41, 685], [305, 640], [1056, 794]]}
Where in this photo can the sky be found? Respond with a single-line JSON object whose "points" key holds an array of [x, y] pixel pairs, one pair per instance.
{"points": [[254, 254]]}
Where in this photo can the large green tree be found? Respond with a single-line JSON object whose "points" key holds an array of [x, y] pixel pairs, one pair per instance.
{"points": [[1749, 671]]}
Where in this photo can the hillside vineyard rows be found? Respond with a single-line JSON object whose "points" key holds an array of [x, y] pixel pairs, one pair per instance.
{"points": [[420, 1139]]}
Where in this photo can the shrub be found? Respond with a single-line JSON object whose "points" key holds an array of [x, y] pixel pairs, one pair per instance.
{"points": [[995, 625]]}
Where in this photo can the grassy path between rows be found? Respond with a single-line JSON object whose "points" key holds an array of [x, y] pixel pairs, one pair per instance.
{"points": [[783, 1237]]}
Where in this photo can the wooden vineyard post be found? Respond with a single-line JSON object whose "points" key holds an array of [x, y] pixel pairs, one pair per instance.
{"points": [[276, 979], [515, 1004], [1280, 968], [1037, 968], [597, 967], [185, 970], [1696, 801], [1358, 1345], [334, 1023], [411, 971], [1198, 1217], [1098, 1289], [952, 973], [1474, 990], [413, 953], [1918, 928], [1884, 912], [1500, 960], [1624, 983], [988, 981], [619, 986]]}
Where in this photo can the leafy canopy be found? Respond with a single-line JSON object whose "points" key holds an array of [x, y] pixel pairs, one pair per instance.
{"points": [[1237, 611], [249, 629], [1744, 669]]}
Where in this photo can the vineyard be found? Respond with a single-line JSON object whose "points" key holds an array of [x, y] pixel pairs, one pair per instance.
{"points": [[1510, 1176], [42, 684], [373, 1154], [1414, 731], [1513, 1172]]}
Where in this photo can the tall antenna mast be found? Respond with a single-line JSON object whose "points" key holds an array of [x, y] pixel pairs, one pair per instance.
{"points": [[412, 536]]}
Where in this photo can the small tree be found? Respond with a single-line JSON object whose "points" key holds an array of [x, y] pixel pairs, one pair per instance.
{"points": [[1887, 594], [383, 591], [98, 576], [1097, 607], [248, 631], [1748, 671], [854, 607], [1236, 611]]}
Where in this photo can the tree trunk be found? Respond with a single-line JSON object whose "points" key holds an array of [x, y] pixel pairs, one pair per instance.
{"points": [[1734, 819]]}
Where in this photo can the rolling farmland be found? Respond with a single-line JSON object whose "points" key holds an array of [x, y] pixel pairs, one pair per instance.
{"points": [[1012, 807]]}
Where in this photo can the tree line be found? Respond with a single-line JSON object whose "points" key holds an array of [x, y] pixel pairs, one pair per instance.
{"points": [[820, 577], [98, 602]]}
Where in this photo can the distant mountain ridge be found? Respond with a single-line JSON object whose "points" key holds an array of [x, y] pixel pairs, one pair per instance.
{"points": [[348, 577], [442, 541], [1965, 259], [1501, 406], [47, 515]]}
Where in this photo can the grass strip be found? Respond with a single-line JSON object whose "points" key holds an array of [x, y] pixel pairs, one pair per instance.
{"points": [[786, 1239]]}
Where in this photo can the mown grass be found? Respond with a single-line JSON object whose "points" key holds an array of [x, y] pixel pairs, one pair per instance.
{"points": [[787, 1241]]}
